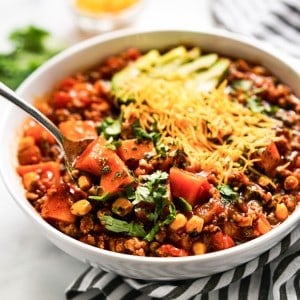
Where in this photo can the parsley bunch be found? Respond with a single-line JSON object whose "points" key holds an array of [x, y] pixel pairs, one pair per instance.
{"points": [[31, 46]]}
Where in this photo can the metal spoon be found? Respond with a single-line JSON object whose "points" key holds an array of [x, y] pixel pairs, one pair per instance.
{"points": [[71, 149]]}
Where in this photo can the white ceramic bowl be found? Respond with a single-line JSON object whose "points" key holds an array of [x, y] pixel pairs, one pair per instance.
{"points": [[87, 54]]}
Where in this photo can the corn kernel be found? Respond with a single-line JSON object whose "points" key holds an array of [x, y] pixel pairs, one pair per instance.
{"points": [[84, 182], [122, 206], [194, 224], [199, 248], [179, 222], [26, 142], [29, 179], [281, 212], [81, 207]]}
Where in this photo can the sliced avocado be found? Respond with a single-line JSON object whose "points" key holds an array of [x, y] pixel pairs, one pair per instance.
{"points": [[172, 54], [215, 71], [146, 61], [203, 62], [169, 70], [202, 72]]}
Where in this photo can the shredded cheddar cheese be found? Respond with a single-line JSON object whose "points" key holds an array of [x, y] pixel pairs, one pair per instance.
{"points": [[216, 133]]}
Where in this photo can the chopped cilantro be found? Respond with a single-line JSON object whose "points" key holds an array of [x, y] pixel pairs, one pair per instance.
{"points": [[31, 47], [140, 133], [243, 84], [153, 189], [182, 204], [111, 128], [120, 226], [258, 106], [171, 216], [162, 149], [103, 197], [229, 196], [255, 105]]}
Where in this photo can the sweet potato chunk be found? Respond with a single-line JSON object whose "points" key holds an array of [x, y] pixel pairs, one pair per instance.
{"points": [[133, 150], [38, 132], [270, 159], [47, 170], [57, 206], [101, 161], [78, 129]]}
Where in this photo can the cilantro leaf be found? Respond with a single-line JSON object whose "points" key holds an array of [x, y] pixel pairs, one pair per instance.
{"points": [[103, 197], [153, 188], [258, 106], [140, 133], [243, 84], [182, 204], [154, 230], [229, 196], [255, 105], [111, 128], [120, 226]]}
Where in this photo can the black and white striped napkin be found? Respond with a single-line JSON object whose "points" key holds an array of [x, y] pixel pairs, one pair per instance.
{"points": [[273, 275], [274, 21]]}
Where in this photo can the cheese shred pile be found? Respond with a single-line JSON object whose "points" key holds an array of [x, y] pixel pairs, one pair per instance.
{"points": [[216, 133]]}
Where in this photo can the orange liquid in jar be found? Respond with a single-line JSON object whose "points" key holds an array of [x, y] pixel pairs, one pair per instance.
{"points": [[98, 7]]}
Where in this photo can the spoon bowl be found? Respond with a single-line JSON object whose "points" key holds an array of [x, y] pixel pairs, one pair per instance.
{"points": [[71, 149]]}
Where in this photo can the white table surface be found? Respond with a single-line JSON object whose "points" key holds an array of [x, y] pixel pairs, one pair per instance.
{"points": [[30, 266]]}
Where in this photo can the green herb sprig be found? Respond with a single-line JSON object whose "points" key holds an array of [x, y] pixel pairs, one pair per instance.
{"points": [[31, 46], [229, 196]]}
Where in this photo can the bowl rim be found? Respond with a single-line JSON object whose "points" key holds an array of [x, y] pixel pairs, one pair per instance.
{"points": [[281, 230], [105, 37]]}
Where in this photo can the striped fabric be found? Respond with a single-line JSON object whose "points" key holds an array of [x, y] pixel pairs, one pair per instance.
{"points": [[274, 21], [273, 275]]}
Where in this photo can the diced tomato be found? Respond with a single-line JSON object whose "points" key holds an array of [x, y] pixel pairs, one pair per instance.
{"points": [[57, 206], [61, 99], [192, 187], [100, 87], [220, 241], [47, 170], [99, 160], [133, 150], [83, 92], [38, 132], [78, 129], [67, 83], [170, 250]]}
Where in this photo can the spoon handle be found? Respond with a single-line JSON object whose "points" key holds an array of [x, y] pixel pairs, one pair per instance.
{"points": [[10, 95]]}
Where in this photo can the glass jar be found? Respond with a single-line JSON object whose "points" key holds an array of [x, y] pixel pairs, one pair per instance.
{"points": [[96, 16]]}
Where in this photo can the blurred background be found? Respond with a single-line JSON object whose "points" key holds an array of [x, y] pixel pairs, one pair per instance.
{"points": [[33, 30], [58, 17]]}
